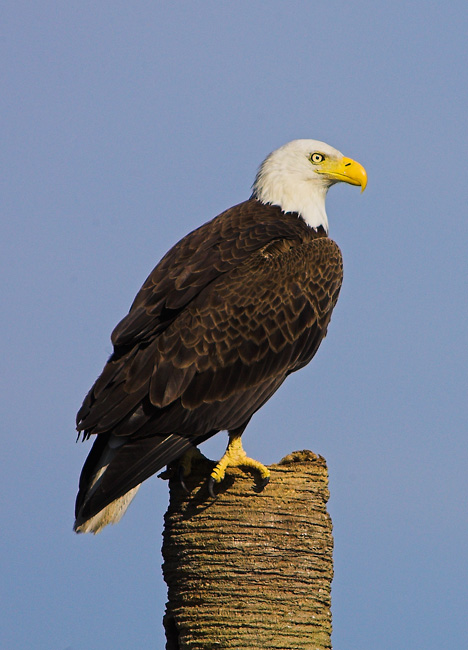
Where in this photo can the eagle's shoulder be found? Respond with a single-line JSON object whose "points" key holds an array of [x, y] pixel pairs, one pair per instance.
{"points": [[199, 258]]}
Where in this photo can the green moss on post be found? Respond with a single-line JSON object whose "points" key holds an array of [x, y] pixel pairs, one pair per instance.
{"points": [[250, 569]]}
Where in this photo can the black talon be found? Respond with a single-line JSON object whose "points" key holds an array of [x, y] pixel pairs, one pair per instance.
{"points": [[181, 479], [211, 484], [264, 482]]}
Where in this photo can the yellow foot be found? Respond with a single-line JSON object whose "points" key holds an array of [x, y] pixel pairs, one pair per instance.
{"points": [[235, 456]]}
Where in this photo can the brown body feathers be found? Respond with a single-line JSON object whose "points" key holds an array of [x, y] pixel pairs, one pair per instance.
{"points": [[228, 313]]}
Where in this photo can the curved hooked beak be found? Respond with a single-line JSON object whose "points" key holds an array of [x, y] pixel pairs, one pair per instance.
{"points": [[345, 170]]}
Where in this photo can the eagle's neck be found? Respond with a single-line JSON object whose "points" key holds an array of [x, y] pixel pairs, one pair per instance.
{"points": [[303, 197]]}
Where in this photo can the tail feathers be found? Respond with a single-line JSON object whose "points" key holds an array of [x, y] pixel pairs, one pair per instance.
{"points": [[113, 472], [111, 514]]}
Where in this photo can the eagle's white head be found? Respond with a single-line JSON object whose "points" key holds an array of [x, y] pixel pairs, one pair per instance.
{"points": [[297, 177]]}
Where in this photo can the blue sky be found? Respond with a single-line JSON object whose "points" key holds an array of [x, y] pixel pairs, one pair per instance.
{"points": [[125, 125]]}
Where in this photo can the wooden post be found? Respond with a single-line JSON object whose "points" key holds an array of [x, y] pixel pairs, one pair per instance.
{"points": [[250, 569]]}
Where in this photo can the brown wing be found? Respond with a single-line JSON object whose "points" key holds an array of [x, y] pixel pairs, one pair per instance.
{"points": [[255, 324], [212, 357], [197, 260], [185, 271]]}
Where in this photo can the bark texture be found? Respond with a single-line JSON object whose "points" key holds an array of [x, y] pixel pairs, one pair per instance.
{"points": [[250, 569]]}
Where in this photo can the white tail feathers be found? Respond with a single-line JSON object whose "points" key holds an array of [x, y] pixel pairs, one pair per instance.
{"points": [[111, 514], [114, 512]]}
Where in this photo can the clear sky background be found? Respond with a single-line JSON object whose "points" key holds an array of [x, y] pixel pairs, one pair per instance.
{"points": [[126, 125]]}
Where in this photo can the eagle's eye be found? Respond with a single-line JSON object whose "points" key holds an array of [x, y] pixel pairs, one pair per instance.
{"points": [[316, 158]]}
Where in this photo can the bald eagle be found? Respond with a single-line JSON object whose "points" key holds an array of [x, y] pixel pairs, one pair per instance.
{"points": [[227, 314]]}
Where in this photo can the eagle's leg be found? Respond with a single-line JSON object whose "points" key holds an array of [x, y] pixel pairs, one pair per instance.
{"points": [[235, 456], [185, 464]]}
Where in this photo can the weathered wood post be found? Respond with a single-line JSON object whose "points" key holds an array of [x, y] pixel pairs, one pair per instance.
{"points": [[250, 569]]}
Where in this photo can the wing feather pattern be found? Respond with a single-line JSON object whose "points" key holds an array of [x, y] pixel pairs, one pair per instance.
{"points": [[226, 315]]}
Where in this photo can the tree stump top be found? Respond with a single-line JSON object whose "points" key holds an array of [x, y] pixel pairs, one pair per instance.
{"points": [[250, 569]]}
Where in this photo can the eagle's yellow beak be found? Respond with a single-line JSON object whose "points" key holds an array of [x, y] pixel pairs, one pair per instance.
{"points": [[345, 170]]}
